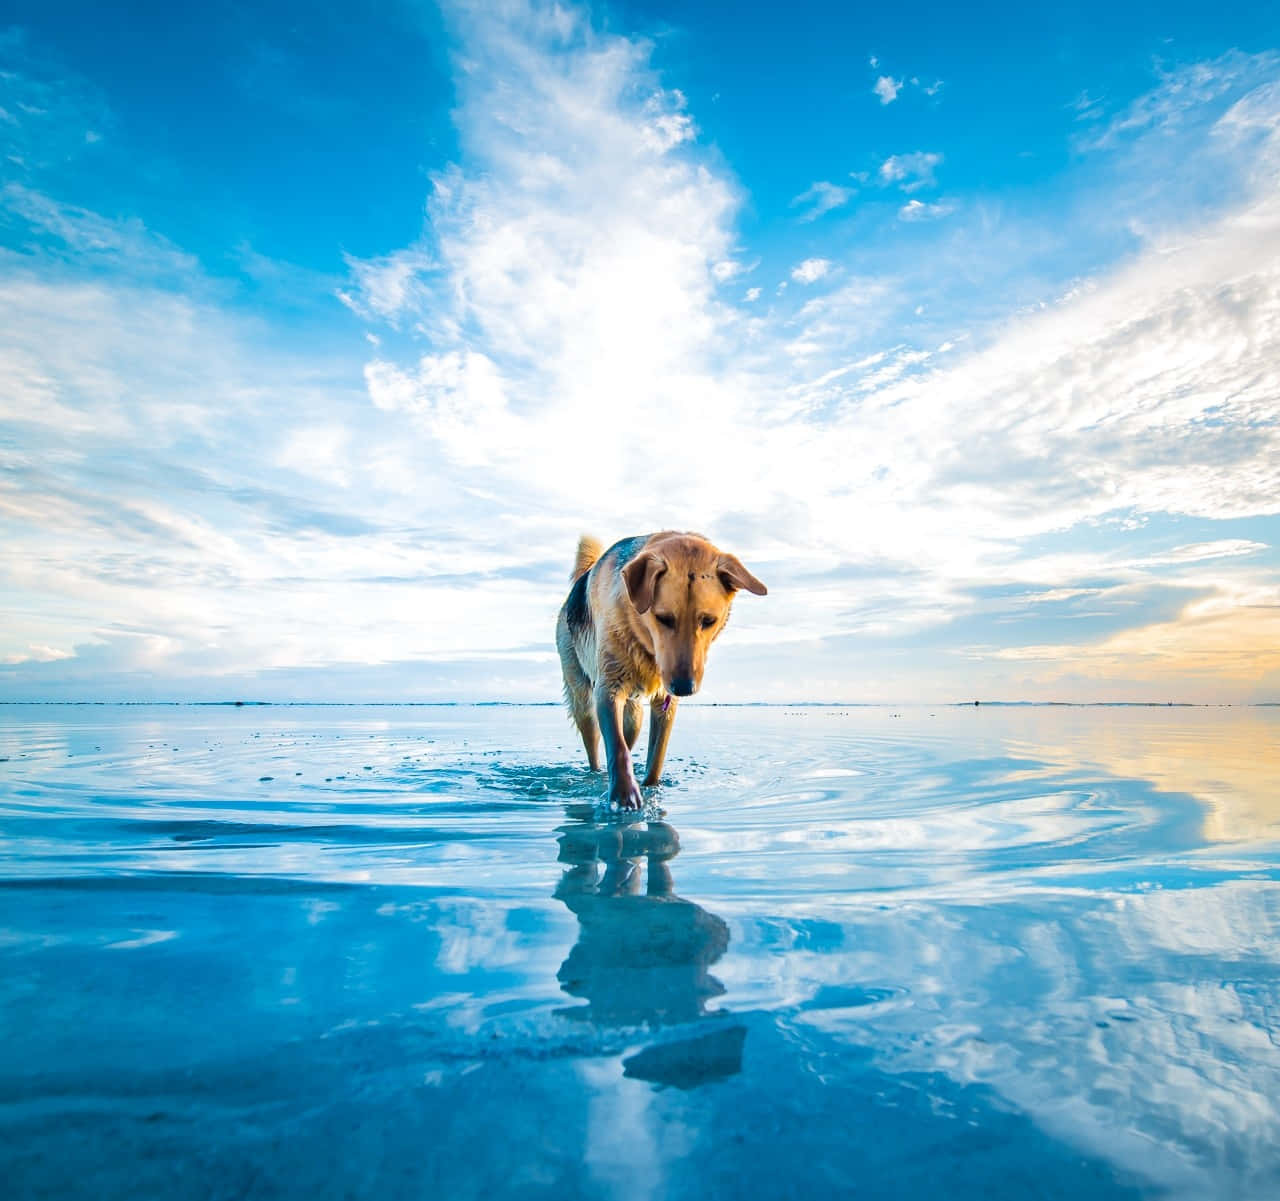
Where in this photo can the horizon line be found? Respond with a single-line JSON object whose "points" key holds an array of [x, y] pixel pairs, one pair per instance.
{"points": [[490, 704]]}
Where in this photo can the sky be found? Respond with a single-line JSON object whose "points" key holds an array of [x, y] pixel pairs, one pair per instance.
{"points": [[328, 328]]}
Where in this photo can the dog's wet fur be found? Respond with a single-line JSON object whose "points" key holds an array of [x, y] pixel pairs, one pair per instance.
{"points": [[637, 625]]}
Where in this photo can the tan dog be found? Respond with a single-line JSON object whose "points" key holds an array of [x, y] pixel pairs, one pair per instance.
{"points": [[637, 625]]}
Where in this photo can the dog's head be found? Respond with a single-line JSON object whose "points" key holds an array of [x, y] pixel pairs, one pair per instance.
{"points": [[683, 587]]}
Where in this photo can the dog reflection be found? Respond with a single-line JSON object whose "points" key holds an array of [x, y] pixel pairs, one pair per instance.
{"points": [[643, 954]]}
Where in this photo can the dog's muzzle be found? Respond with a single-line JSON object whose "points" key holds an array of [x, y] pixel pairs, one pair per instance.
{"points": [[682, 686]]}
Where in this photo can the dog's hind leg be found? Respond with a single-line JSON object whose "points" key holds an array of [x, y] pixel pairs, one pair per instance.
{"points": [[577, 691], [578, 694], [632, 716], [582, 706], [590, 731]]}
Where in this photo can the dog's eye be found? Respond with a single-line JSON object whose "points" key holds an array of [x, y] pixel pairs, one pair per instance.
{"points": [[706, 621], [665, 619]]}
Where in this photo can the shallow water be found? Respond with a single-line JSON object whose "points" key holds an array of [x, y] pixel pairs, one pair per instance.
{"points": [[400, 952]]}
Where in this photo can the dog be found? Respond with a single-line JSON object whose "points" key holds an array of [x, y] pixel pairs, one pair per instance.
{"points": [[637, 624]]}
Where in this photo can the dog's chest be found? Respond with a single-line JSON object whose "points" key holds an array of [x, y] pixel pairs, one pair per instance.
{"points": [[643, 677]]}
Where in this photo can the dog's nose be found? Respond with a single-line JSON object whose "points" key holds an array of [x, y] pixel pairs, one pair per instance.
{"points": [[682, 686]]}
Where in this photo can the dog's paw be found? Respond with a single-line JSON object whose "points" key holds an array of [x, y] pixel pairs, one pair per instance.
{"points": [[625, 795]]}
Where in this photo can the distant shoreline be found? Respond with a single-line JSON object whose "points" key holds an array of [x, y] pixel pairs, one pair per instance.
{"points": [[704, 704]]}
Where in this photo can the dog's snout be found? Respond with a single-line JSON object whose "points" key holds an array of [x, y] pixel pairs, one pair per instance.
{"points": [[682, 685]]}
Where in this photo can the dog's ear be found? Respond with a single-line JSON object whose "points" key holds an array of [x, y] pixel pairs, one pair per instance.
{"points": [[641, 577], [734, 576]]}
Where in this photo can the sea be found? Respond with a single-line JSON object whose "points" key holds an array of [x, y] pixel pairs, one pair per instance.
{"points": [[952, 951]]}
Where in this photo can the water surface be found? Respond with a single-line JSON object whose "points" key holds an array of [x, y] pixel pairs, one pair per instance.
{"points": [[401, 952]]}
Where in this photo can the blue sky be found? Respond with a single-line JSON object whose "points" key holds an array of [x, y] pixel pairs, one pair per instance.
{"points": [[329, 327]]}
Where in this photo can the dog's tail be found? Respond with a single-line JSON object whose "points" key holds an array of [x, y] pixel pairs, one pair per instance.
{"points": [[589, 550]]}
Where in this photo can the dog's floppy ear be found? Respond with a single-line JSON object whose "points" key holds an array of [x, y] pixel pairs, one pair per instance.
{"points": [[734, 576], [641, 577]]}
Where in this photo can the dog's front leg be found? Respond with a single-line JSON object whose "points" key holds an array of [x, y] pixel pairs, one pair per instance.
{"points": [[662, 716], [623, 789]]}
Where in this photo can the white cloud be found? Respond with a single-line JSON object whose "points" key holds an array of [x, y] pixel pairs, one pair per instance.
{"points": [[910, 171], [887, 88], [452, 396], [594, 241], [727, 269], [811, 270], [917, 210], [820, 198], [36, 653], [668, 123], [752, 295]]}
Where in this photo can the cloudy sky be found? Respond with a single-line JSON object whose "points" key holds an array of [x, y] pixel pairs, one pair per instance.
{"points": [[327, 328]]}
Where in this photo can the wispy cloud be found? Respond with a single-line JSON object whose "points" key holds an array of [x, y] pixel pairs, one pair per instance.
{"points": [[1184, 96], [386, 287], [822, 197], [47, 118], [1210, 644], [910, 171], [71, 231], [917, 210], [36, 653]]}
